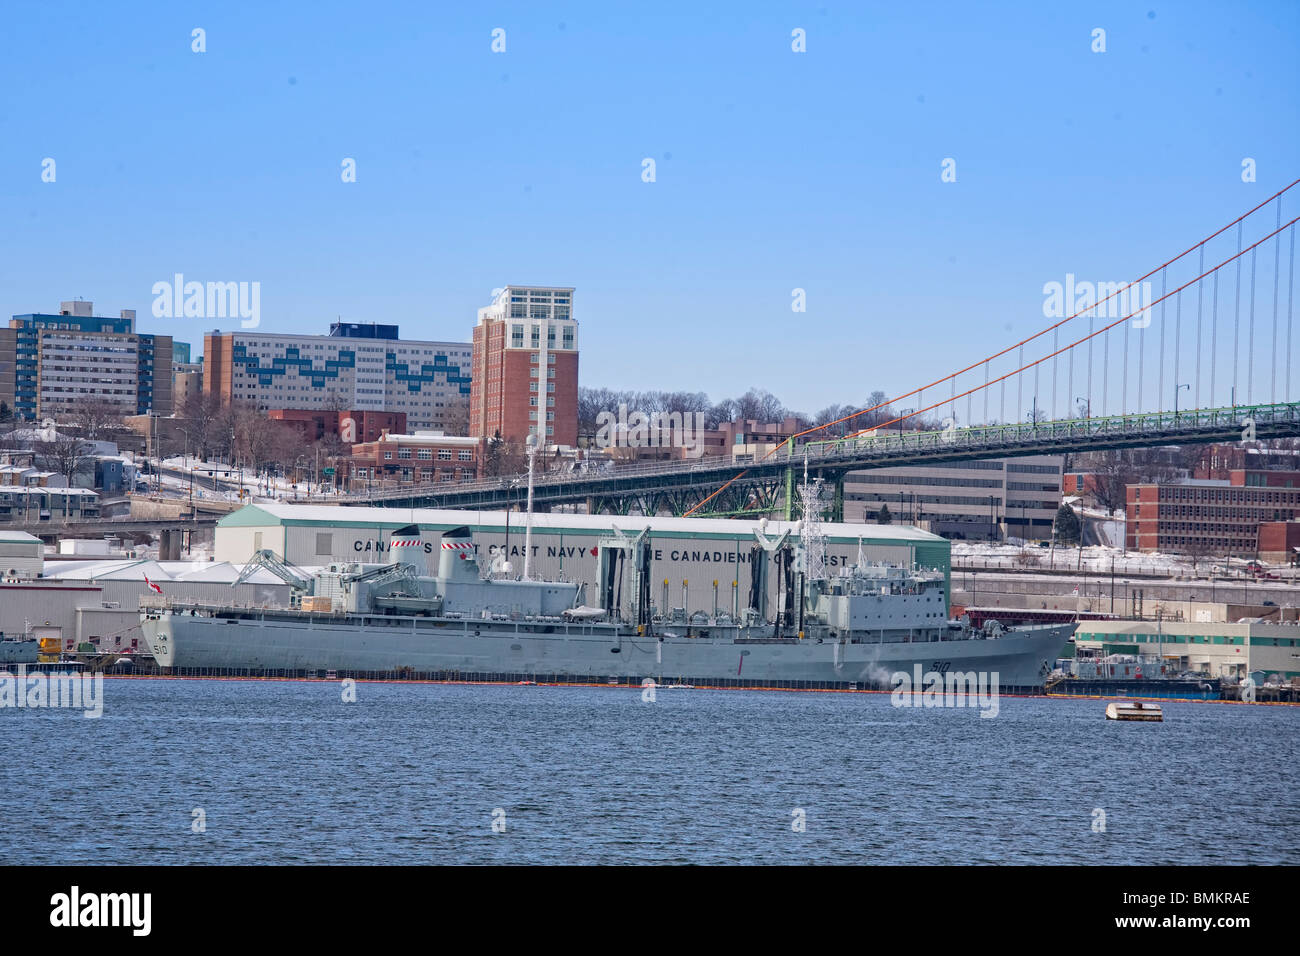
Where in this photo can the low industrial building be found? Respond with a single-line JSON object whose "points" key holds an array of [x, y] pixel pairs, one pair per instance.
{"points": [[22, 555], [1215, 650], [697, 560], [94, 606], [392, 460]]}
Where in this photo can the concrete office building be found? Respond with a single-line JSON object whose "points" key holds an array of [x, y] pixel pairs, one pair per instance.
{"points": [[357, 366], [973, 500], [50, 365]]}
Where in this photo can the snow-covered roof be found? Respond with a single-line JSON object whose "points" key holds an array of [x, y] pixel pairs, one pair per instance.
{"points": [[17, 536], [260, 515], [160, 572]]}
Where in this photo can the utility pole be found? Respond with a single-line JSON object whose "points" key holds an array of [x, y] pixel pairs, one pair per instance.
{"points": [[1112, 585]]}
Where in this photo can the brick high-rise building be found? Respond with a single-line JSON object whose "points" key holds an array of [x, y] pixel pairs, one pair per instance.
{"points": [[525, 367]]}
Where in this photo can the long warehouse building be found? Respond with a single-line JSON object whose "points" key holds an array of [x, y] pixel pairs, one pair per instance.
{"points": [[689, 554]]}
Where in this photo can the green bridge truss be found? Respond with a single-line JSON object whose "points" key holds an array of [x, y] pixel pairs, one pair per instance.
{"points": [[727, 488]]}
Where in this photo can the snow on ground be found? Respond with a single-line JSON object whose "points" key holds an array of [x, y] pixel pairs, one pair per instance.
{"points": [[1095, 559], [257, 488]]}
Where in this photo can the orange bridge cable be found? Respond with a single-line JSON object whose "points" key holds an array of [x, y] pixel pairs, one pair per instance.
{"points": [[729, 483], [975, 365], [1044, 331], [1107, 328]]}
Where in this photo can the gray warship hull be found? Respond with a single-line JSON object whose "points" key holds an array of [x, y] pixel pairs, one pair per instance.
{"points": [[297, 643], [19, 652]]}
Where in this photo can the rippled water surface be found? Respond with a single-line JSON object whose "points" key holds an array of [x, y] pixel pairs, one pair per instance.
{"points": [[287, 772]]}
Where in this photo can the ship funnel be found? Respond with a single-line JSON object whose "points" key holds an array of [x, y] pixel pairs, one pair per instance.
{"points": [[405, 547], [456, 558]]}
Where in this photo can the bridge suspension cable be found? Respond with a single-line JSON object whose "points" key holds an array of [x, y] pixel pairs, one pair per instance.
{"points": [[1143, 312]]}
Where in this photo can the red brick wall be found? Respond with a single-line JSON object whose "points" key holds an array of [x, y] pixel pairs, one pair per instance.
{"points": [[500, 393]]}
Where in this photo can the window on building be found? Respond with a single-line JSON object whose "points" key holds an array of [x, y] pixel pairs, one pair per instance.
{"points": [[465, 455], [403, 453], [444, 454]]}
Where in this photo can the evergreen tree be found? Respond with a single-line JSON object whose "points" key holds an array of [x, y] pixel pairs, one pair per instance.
{"points": [[1067, 525], [882, 516]]}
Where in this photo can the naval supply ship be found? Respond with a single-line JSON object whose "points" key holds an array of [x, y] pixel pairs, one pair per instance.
{"points": [[852, 629]]}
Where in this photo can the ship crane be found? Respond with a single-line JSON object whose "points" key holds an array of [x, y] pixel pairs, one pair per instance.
{"points": [[377, 577], [281, 569]]}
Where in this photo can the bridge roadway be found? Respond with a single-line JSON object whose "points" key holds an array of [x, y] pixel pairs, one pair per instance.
{"points": [[76, 528], [768, 485]]}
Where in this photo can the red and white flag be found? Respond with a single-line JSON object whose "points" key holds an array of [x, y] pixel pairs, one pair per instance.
{"points": [[152, 586]]}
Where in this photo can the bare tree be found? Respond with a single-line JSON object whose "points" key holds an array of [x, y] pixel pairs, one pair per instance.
{"points": [[62, 453], [725, 411], [1198, 549], [203, 417], [504, 458], [759, 405], [455, 416], [1114, 473], [97, 417]]}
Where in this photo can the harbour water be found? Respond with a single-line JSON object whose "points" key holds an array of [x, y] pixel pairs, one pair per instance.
{"points": [[288, 772]]}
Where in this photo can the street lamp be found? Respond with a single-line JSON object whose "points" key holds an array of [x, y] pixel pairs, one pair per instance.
{"points": [[1176, 391], [1087, 406], [902, 415], [185, 462]]}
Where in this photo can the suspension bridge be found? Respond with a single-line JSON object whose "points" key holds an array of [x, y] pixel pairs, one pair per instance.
{"points": [[1218, 335]]}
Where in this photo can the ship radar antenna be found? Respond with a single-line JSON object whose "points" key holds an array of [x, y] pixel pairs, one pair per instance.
{"points": [[810, 530]]}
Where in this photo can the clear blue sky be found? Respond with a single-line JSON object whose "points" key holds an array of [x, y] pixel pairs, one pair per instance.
{"points": [[775, 170]]}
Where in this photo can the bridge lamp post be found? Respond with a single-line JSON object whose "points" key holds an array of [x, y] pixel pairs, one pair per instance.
{"points": [[1087, 406], [902, 415], [1176, 391]]}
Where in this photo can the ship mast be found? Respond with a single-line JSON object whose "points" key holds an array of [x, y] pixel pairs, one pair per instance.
{"points": [[810, 535], [528, 520]]}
